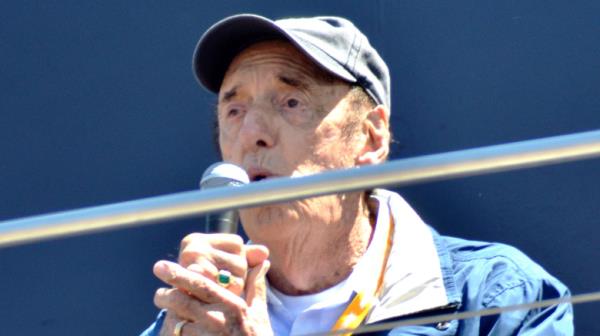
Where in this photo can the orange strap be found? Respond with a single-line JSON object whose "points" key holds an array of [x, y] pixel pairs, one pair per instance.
{"points": [[362, 303]]}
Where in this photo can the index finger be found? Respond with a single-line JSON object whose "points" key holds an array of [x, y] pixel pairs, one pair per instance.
{"points": [[227, 242], [197, 285]]}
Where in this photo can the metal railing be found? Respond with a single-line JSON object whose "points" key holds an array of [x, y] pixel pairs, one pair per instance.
{"points": [[461, 163]]}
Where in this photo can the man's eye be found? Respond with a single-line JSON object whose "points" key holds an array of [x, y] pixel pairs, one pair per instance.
{"points": [[292, 102], [233, 112]]}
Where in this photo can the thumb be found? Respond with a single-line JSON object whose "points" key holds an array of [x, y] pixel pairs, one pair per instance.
{"points": [[256, 285], [256, 254]]}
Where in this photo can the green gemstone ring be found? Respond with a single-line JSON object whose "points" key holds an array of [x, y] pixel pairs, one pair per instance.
{"points": [[224, 278]]}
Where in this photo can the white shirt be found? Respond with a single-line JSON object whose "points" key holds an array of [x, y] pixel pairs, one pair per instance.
{"points": [[293, 315]]}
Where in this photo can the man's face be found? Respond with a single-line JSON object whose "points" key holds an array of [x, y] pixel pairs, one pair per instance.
{"points": [[278, 117]]}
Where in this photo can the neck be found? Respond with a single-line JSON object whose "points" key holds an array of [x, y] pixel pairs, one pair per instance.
{"points": [[318, 253]]}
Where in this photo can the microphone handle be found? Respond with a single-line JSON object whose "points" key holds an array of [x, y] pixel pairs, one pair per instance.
{"points": [[223, 222]]}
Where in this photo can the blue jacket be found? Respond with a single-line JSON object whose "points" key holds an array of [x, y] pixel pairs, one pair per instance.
{"points": [[481, 275], [428, 274]]}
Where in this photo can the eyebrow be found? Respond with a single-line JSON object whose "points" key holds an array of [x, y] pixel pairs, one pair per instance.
{"points": [[228, 95], [296, 83]]}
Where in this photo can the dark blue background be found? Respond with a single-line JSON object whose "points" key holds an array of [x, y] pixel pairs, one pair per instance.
{"points": [[98, 105]]}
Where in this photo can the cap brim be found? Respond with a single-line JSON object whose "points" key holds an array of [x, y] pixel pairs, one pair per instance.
{"points": [[227, 38]]}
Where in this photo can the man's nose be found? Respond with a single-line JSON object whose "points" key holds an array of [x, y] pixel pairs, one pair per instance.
{"points": [[257, 130]]}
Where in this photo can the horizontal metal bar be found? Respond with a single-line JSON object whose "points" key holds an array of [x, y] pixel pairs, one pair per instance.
{"points": [[574, 299], [398, 172]]}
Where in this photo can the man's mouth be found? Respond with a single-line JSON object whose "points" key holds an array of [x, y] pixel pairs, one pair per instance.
{"points": [[256, 175], [259, 178]]}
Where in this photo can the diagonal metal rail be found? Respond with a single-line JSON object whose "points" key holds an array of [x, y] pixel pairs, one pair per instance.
{"points": [[574, 299], [403, 172]]}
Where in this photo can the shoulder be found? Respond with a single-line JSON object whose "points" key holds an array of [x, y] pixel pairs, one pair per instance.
{"points": [[499, 270], [491, 275]]}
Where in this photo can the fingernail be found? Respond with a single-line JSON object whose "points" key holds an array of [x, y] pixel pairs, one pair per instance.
{"points": [[162, 270], [195, 268], [266, 249]]}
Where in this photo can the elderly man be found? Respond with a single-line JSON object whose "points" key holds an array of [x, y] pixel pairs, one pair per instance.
{"points": [[298, 97]]}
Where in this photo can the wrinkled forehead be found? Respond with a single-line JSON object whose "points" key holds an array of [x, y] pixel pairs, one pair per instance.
{"points": [[277, 54]]}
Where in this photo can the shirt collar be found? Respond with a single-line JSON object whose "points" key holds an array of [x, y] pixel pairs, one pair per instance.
{"points": [[415, 279]]}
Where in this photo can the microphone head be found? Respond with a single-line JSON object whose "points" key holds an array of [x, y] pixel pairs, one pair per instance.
{"points": [[222, 174]]}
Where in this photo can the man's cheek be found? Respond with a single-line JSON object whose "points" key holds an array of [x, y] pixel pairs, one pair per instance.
{"points": [[226, 145], [302, 118], [329, 133], [328, 149]]}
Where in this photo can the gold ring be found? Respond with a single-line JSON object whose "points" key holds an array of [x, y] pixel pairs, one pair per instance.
{"points": [[224, 278], [179, 327]]}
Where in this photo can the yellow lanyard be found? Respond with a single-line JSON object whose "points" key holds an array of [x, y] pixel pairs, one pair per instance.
{"points": [[360, 306]]}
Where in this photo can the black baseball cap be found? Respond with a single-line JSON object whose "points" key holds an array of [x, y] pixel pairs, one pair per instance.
{"points": [[333, 43]]}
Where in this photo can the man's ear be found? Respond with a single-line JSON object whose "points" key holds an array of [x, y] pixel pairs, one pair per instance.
{"points": [[376, 139]]}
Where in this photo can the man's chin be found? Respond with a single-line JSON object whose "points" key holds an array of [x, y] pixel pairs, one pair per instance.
{"points": [[275, 215]]}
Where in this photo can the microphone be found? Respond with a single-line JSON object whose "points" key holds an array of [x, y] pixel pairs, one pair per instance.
{"points": [[221, 174]]}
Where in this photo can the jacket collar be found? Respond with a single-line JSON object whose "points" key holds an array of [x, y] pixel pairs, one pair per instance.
{"points": [[418, 275]]}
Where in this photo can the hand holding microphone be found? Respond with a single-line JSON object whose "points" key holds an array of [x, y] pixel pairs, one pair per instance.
{"points": [[221, 250], [219, 254], [199, 299]]}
